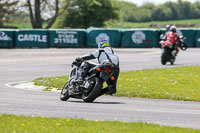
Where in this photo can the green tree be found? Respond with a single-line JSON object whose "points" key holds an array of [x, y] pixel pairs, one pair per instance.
{"points": [[175, 12], [149, 6], [7, 8], [196, 10], [127, 11], [38, 8], [141, 15], [86, 13], [185, 9], [161, 13]]}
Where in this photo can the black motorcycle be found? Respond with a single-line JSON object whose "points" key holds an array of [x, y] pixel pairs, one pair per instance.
{"points": [[90, 88], [169, 52]]}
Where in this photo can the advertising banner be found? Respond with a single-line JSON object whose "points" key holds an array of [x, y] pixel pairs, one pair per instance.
{"points": [[142, 38], [67, 38], [95, 36], [197, 38], [32, 39], [6, 38]]}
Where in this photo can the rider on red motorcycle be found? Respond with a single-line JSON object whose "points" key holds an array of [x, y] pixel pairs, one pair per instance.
{"points": [[172, 38]]}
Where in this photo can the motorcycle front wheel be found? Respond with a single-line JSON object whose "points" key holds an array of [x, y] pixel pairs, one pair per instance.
{"points": [[95, 91], [164, 58], [64, 95]]}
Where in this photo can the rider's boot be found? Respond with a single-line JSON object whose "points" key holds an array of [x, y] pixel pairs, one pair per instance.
{"points": [[82, 77], [108, 90]]}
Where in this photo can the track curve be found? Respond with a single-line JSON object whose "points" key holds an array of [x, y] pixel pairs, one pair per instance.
{"points": [[18, 65]]}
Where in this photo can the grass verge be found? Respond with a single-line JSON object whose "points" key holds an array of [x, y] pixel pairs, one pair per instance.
{"points": [[180, 83], [122, 25], [27, 124]]}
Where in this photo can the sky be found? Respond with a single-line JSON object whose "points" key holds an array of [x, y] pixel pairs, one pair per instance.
{"points": [[140, 2]]}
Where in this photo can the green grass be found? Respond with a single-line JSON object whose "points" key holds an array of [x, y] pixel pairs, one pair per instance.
{"points": [[146, 24], [25, 124], [51, 82], [180, 83], [122, 25], [21, 25]]}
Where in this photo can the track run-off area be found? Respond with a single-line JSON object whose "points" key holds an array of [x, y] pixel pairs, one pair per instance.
{"points": [[24, 65]]}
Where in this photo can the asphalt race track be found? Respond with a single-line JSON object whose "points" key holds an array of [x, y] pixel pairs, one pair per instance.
{"points": [[18, 65]]}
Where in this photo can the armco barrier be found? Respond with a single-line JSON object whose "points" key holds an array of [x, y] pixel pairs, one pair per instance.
{"points": [[7, 38], [90, 38], [32, 39], [197, 38], [95, 36], [67, 38], [141, 38], [188, 33]]}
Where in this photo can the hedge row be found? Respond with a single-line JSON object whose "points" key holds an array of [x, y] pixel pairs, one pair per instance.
{"points": [[78, 38]]}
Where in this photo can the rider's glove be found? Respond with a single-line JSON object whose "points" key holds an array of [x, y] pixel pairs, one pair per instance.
{"points": [[79, 59]]}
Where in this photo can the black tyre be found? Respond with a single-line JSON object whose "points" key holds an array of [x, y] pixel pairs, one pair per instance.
{"points": [[64, 95], [164, 58], [183, 46], [95, 91]]}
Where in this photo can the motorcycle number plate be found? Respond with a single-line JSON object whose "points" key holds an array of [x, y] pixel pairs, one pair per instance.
{"points": [[86, 85]]}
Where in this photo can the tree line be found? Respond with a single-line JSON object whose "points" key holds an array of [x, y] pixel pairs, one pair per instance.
{"points": [[167, 11], [86, 13], [6, 9]]}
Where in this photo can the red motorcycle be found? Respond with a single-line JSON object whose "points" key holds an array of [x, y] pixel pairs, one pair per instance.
{"points": [[169, 49]]}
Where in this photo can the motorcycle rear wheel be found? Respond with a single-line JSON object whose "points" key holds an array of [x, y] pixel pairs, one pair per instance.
{"points": [[94, 92], [64, 95]]}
